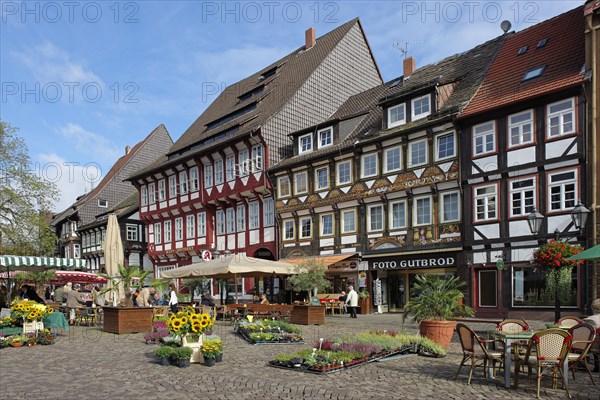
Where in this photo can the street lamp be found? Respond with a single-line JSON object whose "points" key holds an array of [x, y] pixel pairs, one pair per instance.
{"points": [[534, 220], [579, 215]]}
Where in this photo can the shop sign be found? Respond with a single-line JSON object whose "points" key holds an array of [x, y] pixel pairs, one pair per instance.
{"points": [[401, 263]]}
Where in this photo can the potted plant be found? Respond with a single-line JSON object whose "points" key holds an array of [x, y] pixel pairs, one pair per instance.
{"points": [[190, 326], [183, 355], [211, 349], [310, 278], [165, 353], [434, 304], [364, 301]]}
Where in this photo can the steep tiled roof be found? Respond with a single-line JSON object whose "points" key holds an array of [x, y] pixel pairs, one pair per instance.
{"points": [[465, 71], [125, 207], [563, 56]]}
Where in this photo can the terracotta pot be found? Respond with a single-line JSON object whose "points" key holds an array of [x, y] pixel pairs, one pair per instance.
{"points": [[16, 344], [439, 331]]}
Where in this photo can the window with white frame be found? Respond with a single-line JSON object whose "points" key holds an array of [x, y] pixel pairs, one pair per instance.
{"points": [[190, 227], [375, 218], [131, 232], [327, 225], [253, 215], [230, 214], [283, 186], [178, 229], [99, 237], [322, 178], [194, 179], [520, 128], [208, 176], [349, 221], [393, 158], [151, 193], [76, 250], [396, 115], [168, 236], [421, 107], [369, 165], [300, 182], [201, 224], [243, 162], [241, 218], [218, 171], [67, 251], [325, 137], [485, 203], [445, 146], [418, 153], [257, 158], [162, 190], [102, 203], [484, 138], [522, 197], [268, 212], [172, 186], [144, 196], [422, 211], [305, 143], [562, 190], [397, 211], [230, 168], [344, 172], [220, 220], [450, 207], [183, 182], [560, 118], [288, 229], [305, 227]]}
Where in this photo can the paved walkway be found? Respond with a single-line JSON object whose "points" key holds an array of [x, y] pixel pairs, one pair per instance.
{"points": [[89, 364]]}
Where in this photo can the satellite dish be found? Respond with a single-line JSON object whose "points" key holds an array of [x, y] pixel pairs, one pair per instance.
{"points": [[505, 25]]}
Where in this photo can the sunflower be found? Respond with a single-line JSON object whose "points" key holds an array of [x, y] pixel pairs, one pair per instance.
{"points": [[205, 317], [176, 323], [196, 327]]}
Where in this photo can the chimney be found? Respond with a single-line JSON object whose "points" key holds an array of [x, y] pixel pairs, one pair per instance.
{"points": [[409, 66], [127, 149], [311, 38]]}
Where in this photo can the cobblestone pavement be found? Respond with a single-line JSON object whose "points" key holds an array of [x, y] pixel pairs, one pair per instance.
{"points": [[86, 363]]}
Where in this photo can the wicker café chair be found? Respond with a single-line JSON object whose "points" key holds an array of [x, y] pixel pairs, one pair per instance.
{"points": [[584, 336], [547, 352], [475, 351], [512, 326], [569, 322]]}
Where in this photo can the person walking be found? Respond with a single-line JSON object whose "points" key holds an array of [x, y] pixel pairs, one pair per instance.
{"points": [[352, 300]]}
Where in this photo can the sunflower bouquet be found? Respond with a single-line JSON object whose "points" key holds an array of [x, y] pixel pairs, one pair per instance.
{"points": [[190, 322], [28, 310]]}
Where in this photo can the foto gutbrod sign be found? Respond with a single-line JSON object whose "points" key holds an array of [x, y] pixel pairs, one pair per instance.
{"points": [[431, 262]]}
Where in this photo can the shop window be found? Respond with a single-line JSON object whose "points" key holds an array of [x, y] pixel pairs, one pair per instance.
{"points": [[529, 289]]}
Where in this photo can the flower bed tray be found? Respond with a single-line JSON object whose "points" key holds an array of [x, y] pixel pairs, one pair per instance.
{"points": [[254, 342]]}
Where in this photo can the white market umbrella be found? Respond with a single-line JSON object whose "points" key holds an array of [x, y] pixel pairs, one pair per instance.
{"points": [[113, 257]]}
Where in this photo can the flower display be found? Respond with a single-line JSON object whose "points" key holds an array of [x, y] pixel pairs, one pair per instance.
{"points": [[554, 254], [211, 348], [30, 310], [190, 322], [7, 321]]}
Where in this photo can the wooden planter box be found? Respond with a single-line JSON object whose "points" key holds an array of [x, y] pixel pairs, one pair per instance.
{"points": [[127, 319], [308, 315], [364, 306]]}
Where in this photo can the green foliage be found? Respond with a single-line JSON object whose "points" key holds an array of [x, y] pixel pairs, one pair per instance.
{"points": [[25, 200], [429, 347], [310, 276], [554, 254], [38, 278], [363, 294], [165, 351], [125, 277], [559, 281], [436, 297], [182, 353]]}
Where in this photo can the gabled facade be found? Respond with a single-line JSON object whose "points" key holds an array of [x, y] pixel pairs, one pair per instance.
{"points": [[523, 140], [380, 178], [210, 192], [111, 190], [133, 236]]}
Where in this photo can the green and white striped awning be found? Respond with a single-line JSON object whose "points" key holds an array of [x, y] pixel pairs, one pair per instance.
{"points": [[41, 262]]}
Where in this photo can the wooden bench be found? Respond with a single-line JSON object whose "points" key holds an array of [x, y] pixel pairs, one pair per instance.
{"points": [[277, 311]]}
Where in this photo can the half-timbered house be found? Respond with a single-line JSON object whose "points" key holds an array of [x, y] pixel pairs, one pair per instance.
{"points": [[210, 192], [523, 140]]}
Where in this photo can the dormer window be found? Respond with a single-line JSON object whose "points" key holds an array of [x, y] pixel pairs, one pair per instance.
{"points": [[421, 107], [325, 137], [305, 143], [396, 115], [102, 203]]}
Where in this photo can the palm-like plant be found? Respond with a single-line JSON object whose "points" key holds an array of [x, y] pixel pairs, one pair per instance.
{"points": [[437, 297], [130, 276]]}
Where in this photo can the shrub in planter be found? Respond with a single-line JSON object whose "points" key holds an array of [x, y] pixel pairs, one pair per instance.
{"points": [[165, 353], [183, 355]]}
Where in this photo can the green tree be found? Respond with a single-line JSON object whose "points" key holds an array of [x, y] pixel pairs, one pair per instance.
{"points": [[310, 277], [125, 281], [25, 200]]}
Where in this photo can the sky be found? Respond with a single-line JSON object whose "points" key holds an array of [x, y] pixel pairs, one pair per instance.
{"points": [[83, 79]]}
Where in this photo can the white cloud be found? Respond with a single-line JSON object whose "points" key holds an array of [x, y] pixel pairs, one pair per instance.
{"points": [[89, 143], [73, 179], [49, 63]]}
